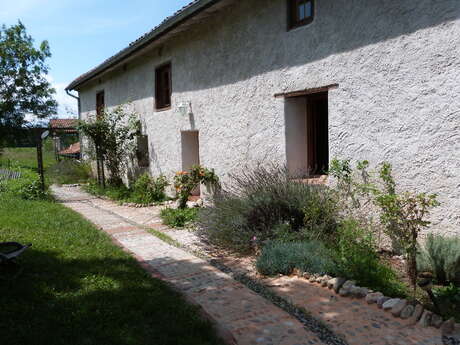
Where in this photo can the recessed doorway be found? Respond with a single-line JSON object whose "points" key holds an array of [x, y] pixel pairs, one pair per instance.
{"points": [[191, 153], [307, 135]]}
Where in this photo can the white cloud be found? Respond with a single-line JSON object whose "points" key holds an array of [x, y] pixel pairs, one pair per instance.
{"points": [[67, 106]]}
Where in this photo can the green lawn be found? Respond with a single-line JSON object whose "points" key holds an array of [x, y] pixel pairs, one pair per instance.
{"points": [[26, 157], [78, 288]]}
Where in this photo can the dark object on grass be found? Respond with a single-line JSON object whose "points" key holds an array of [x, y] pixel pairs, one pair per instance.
{"points": [[9, 252]]}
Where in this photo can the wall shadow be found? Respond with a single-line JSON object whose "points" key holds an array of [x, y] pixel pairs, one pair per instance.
{"points": [[250, 38]]}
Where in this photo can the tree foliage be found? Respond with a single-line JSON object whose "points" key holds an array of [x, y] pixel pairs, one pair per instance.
{"points": [[24, 88]]}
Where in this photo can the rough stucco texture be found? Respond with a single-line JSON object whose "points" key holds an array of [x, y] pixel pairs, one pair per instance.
{"points": [[398, 100]]}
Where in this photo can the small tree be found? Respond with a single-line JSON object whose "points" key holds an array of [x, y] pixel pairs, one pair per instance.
{"points": [[404, 216], [114, 137]]}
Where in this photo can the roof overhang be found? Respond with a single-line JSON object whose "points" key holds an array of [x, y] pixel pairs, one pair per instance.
{"points": [[169, 26]]}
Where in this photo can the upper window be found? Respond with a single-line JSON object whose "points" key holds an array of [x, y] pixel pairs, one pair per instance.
{"points": [[301, 12], [100, 103], [163, 88]]}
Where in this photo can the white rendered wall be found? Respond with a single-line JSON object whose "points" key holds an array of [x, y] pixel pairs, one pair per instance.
{"points": [[398, 100]]}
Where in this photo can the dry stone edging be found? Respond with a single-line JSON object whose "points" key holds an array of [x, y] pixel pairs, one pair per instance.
{"points": [[399, 308]]}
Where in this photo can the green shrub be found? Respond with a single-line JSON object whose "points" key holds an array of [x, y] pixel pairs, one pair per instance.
{"points": [[148, 190], [283, 258], [179, 218], [356, 258], [448, 298], [69, 172], [261, 201], [117, 192], [27, 187], [441, 256]]}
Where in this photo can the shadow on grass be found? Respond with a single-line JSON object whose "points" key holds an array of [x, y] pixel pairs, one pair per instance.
{"points": [[94, 301]]}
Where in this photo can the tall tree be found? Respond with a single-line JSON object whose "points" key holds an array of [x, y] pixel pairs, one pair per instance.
{"points": [[24, 88]]}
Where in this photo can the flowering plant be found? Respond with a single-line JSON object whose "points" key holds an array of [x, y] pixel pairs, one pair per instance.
{"points": [[186, 181]]}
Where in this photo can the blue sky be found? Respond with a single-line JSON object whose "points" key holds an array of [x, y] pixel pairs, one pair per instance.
{"points": [[83, 33]]}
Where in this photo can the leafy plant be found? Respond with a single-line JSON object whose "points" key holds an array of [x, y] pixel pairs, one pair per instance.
{"points": [[69, 172], [356, 258], [283, 258], [186, 181], [404, 216], [180, 217], [441, 256], [27, 187], [117, 192], [262, 202], [149, 190], [448, 298], [354, 188], [114, 137]]}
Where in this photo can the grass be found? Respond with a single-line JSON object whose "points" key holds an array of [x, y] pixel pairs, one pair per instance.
{"points": [[26, 157], [179, 218], [77, 288]]}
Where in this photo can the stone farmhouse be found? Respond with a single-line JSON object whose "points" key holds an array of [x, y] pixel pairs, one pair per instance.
{"points": [[227, 83]]}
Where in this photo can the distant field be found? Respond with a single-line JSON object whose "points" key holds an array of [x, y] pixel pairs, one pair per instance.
{"points": [[26, 157]]}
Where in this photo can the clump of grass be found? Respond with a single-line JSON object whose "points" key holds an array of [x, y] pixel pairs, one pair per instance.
{"points": [[284, 257], [117, 193], [441, 256], [180, 217]]}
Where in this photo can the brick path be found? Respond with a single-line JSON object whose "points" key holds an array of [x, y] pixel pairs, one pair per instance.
{"points": [[352, 319], [242, 316]]}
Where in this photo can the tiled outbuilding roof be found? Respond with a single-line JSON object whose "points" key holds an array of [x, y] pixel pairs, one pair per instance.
{"points": [[73, 149], [185, 13], [63, 123]]}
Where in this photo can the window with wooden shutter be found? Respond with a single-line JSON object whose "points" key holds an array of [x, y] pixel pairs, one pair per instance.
{"points": [[163, 89], [301, 12], [100, 104]]}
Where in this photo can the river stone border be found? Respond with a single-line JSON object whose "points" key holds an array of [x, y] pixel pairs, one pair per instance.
{"points": [[401, 308]]}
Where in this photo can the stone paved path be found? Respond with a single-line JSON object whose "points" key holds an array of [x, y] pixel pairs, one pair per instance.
{"points": [[241, 315], [353, 319]]}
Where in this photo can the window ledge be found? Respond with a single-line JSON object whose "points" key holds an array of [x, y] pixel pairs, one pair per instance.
{"points": [[314, 180]]}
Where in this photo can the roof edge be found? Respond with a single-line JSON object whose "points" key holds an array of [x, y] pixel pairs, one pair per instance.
{"points": [[168, 24]]}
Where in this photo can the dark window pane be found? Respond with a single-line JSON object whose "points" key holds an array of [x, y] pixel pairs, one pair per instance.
{"points": [[301, 11], [163, 87], [308, 10]]}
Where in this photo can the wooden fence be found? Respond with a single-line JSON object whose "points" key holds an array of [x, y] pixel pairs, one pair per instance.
{"points": [[9, 175]]}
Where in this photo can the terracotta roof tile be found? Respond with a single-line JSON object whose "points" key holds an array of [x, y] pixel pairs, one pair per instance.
{"points": [[63, 123], [71, 150]]}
